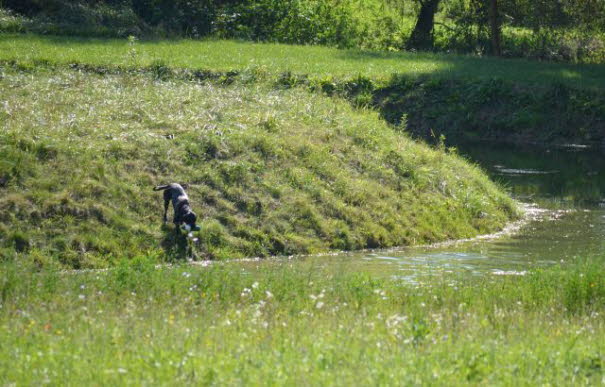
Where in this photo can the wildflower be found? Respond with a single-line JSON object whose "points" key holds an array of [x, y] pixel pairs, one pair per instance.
{"points": [[81, 296], [255, 285], [246, 292], [269, 294], [395, 320], [319, 305]]}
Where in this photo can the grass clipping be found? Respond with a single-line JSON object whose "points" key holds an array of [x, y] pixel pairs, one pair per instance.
{"points": [[270, 172]]}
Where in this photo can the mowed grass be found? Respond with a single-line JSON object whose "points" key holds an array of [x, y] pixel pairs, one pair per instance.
{"points": [[315, 61], [289, 323], [271, 172]]}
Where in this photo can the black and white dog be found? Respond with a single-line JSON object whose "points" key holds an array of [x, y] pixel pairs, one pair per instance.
{"points": [[183, 215]]}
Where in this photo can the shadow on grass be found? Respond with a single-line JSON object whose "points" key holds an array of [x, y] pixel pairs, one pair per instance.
{"points": [[177, 247], [175, 244], [453, 66]]}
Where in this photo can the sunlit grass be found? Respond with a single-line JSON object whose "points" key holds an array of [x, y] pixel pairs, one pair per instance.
{"points": [[219, 55], [291, 323], [270, 171]]}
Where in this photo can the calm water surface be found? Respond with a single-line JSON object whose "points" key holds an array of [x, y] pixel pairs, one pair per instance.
{"points": [[569, 184]]}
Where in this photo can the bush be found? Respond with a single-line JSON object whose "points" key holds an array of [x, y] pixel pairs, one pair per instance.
{"points": [[295, 21], [10, 22]]}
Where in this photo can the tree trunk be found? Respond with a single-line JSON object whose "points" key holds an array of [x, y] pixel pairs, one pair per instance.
{"points": [[495, 28], [422, 36]]}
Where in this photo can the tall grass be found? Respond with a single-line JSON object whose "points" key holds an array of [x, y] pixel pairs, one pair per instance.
{"points": [[271, 171], [288, 322]]}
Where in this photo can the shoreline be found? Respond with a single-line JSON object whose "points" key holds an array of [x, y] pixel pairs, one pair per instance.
{"points": [[531, 212]]}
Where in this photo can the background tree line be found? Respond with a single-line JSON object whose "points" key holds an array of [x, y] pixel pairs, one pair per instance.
{"points": [[569, 30]]}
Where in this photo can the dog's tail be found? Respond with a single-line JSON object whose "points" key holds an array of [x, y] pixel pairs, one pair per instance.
{"points": [[161, 187]]}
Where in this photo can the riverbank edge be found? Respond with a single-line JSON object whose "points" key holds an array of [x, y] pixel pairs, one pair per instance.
{"points": [[530, 213]]}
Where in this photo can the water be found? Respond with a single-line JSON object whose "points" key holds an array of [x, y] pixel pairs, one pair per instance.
{"points": [[567, 184]]}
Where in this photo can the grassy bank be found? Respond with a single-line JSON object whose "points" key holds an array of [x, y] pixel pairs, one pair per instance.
{"points": [[494, 110], [315, 62], [272, 171], [291, 323]]}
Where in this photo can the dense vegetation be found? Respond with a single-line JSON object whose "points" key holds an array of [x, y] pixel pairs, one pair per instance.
{"points": [[494, 110], [271, 171], [569, 30], [296, 323]]}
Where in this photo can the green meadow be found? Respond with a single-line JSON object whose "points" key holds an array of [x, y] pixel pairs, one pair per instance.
{"points": [[314, 61], [289, 322]]}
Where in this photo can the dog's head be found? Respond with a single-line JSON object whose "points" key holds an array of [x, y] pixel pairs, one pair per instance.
{"points": [[190, 219]]}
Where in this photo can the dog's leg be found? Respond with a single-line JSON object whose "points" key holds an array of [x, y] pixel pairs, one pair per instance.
{"points": [[165, 218], [166, 204]]}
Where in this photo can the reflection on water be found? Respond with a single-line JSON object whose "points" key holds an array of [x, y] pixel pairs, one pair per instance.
{"points": [[568, 182], [576, 177]]}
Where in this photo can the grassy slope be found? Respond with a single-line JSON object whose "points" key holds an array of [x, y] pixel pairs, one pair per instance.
{"points": [[495, 110], [140, 325], [272, 171], [274, 58]]}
